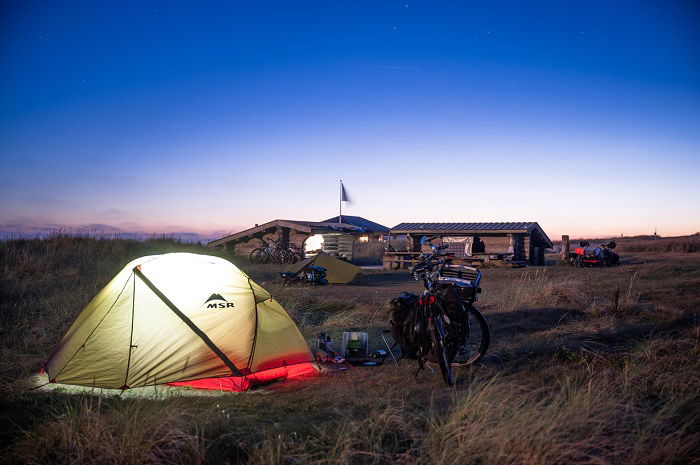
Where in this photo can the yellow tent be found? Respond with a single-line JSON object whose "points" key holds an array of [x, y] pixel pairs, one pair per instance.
{"points": [[176, 317], [337, 271]]}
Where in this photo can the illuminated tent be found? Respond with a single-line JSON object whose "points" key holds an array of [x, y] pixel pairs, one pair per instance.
{"points": [[337, 271], [180, 318]]}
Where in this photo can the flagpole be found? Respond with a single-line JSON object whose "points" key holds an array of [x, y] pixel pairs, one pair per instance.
{"points": [[340, 212]]}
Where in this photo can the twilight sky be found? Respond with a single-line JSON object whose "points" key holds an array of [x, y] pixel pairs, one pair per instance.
{"points": [[210, 117]]}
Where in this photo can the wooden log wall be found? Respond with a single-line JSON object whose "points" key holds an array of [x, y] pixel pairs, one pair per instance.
{"points": [[496, 244], [339, 245]]}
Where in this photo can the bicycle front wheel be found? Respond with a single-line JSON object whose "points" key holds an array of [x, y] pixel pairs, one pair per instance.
{"points": [[437, 333], [478, 339], [286, 257]]}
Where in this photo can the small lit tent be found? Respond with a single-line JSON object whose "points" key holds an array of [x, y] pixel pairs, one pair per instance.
{"points": [[337, 271], [180, 318]]}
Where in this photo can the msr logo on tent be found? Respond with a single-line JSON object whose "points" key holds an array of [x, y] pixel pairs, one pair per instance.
{"points": [[211, 302]]}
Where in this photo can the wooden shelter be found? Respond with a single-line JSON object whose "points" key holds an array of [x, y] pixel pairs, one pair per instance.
{"points": [[474, 243], [337, 238]]}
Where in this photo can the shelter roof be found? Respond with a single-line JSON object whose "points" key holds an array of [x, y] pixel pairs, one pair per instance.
{"points": [[444, 229], [309, 227], [360, 222]]}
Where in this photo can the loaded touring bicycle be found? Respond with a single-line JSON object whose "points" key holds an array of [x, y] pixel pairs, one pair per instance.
{"points": [[441, 325]]}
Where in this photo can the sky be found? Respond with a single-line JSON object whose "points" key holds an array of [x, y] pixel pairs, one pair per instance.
{"points": [[206, 118]]}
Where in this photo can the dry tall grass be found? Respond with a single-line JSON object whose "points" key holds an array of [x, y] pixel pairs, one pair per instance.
{"points": [[94, 432], [533, 289], [592, 366], [686, 244], [649, 244]]}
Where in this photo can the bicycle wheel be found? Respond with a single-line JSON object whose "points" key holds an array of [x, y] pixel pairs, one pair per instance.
{"points": [[258, 256], [437, 333], [478, 339], [286, 257]]}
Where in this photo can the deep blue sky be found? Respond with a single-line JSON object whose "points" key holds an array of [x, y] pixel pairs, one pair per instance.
{"points": [[157, 117]]}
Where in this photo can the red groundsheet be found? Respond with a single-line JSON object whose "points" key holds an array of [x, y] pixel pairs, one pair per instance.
{"points": [[237, 384]]}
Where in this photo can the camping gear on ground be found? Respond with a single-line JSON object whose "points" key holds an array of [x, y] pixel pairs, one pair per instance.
{"points": [[355, 347], [390, 346], [337, 271], [323, 341], [328, 356], [354, 350], [586, 255], [314, 275], [324, 350], [182, 319], [435, 325], [354, 344]]}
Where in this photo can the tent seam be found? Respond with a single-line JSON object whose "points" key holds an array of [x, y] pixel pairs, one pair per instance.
{"points": [[255, 334], [131, 334]]}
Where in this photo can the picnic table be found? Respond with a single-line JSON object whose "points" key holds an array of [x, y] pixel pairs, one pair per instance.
{"points": [[401, 260]]}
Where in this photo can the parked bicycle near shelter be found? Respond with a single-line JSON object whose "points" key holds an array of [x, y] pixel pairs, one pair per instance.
{"points": [[441, 324], [276, 252]]}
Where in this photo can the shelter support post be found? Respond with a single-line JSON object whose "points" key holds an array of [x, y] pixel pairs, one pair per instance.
{"points": [[517, 244], [565, 247]]}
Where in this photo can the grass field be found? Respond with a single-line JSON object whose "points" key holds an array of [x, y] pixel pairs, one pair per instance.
{"points": [[587, 366]]}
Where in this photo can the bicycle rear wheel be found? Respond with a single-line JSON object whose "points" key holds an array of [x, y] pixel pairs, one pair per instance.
{"points": [[478, 339], [276, 256], [437, 333], [258, 256]]}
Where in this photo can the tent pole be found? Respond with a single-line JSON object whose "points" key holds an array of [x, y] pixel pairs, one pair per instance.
{"points": [[340, 213], [188, 322]]}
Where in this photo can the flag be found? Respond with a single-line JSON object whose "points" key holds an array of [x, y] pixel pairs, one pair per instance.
{"points": [[344, 194]]}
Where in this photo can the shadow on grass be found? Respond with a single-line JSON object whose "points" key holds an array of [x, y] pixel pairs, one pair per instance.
{"points": [[385, 278], [525, 335]]}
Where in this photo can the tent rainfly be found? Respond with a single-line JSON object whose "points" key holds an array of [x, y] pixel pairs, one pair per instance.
{"points": [[337, 271], [183, 319]]}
